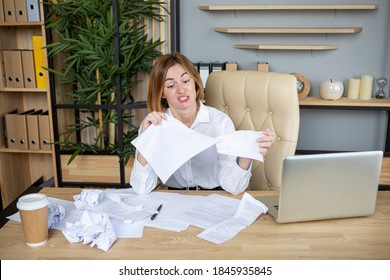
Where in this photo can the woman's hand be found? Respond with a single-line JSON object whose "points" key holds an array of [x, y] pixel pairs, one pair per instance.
{"points": [[265, 141], [152, 118]]}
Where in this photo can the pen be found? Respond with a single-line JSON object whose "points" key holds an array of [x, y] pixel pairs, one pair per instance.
{"points": [[155, 214]]}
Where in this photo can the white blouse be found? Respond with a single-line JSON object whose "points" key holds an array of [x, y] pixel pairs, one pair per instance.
{"points": [[208, 169]]}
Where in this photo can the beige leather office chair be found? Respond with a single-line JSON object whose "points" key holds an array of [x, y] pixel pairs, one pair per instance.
{"points": [[257, 101]]}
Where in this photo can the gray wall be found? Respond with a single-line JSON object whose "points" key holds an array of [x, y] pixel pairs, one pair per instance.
{"points": [[361, 53]]}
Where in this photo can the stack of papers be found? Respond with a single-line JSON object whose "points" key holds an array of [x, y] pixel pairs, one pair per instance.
{"points": [[101, 219]]}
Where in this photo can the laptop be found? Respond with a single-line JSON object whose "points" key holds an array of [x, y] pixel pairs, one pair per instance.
{"points": [[326, 186]]}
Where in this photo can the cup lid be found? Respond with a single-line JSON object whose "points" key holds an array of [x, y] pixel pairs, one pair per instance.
{"points": [[32, 201]]}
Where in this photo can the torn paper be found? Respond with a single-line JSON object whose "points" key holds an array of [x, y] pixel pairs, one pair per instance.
{"points": [[169, 145], [241, 143]]}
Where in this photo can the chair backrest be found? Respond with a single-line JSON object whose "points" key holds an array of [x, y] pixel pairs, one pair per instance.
{"points": [[256, 101]]}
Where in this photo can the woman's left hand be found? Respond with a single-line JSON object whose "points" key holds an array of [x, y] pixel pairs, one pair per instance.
{"points": [[265, 141]]}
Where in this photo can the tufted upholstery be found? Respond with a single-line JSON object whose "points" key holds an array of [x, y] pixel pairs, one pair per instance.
{"points": [[257, 101]]}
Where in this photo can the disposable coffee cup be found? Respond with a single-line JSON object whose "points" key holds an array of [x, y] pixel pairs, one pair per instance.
{"points": [[33, 209]]}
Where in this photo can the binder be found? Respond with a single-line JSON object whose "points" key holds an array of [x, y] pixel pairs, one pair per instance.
{"points": [[2, 72], [8, 133], [33, 14], [263, 67], [17, 130], [1, 12], [21, 11], [28, 69], [9, 10], [204, 71], [217, 66], [39, 62], [13, 69], [44, 131], [231, 66], [33, 131]]}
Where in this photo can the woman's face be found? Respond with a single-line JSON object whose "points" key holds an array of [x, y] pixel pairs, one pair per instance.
{"points": [[179, 89]]}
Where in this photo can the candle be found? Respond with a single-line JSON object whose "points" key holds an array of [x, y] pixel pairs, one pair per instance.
{"points": [[366, 87], [353, 88]]}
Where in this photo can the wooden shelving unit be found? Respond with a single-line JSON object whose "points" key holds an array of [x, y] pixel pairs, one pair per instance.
{"points": [[287, 7], [19, 169], [296, 30], [286, 47]]}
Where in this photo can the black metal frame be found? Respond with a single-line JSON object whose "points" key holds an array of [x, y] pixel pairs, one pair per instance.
{"points": [[175, 46]]}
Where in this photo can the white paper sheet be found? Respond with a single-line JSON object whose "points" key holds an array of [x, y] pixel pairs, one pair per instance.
{"points": [[210, 211], [241, 143], [249, 210], [222, 217], [168, 146]]}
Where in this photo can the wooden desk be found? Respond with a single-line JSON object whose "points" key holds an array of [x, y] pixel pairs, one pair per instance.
{"points": [[354, 238]]}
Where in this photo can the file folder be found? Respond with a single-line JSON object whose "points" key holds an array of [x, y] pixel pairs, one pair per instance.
{"points": [[231, 66], [39, 62], [33, 131], [2, 72], [33, 14], [17, 130], [21, 11], [8, 130], [44, 131], [9, 10], [13, 69], [28, 69], [1, 12], [263, 67]]}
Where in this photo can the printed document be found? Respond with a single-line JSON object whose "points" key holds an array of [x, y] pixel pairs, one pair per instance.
{"points": [[249, 210]]}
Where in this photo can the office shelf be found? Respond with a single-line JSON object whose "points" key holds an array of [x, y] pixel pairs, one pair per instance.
{"points": [[21, 24], [289, 30], [37, 90], [373, 103], [287, 7], [7, 150], [286, 47]]}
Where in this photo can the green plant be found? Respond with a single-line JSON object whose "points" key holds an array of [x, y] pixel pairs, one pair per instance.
{"points": [[84, 34]]}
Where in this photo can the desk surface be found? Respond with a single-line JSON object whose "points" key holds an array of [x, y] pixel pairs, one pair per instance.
{"points": [[352, 238]]}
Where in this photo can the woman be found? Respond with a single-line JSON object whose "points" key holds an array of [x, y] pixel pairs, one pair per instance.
{"points": [[176, 90]]}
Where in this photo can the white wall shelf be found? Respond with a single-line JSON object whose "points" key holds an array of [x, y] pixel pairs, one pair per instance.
{"points": [[299, 30], [287, 47], [287, 7]]}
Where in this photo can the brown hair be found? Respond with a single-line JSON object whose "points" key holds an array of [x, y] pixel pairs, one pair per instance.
{"points": [[155, 102]]}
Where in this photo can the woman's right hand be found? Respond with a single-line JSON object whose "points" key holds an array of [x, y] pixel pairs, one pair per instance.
{"points": [[153, 118]]}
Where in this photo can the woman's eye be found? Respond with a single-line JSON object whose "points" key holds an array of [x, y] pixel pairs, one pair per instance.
{"points": [[186, 81], [170, 86]]}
